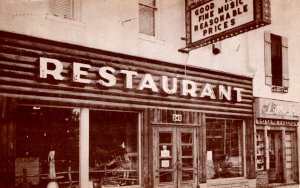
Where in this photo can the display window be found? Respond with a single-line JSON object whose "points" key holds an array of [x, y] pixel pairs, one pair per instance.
{"points": [[114, 148], [47, 144], [224, 145]]}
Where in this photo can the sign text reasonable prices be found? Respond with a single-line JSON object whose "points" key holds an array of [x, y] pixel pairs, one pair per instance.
{"points": [[210, 21], [215, 17]]}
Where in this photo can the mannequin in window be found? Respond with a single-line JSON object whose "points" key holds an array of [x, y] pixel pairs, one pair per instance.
{"points": [[223, 168], [51, 163], [121, 159]]}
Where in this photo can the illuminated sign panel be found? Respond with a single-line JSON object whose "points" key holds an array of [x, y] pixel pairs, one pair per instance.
{"points": [[209, 21]]}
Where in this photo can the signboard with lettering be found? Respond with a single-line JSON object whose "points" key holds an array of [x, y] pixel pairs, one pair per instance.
{"points": [[269, 111], [280, 89], [108, 79], [209, 21]]}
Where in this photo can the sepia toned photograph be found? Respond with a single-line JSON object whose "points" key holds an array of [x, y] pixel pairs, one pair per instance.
{"points": [[149, 93]]}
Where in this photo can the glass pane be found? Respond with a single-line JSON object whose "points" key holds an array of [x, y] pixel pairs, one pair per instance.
{"points": [[114, 147], [165, 137], [187, 163], [146, 20], [186, 137], [187, 175], [43, 135], [165, 177], [187, 151]]}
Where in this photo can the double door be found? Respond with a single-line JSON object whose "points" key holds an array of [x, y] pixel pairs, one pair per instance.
{"points": [[175, 157]]}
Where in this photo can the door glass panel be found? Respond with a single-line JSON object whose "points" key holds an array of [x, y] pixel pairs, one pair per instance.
{"points": [[187, 175], [187, 150], [186, 138], [187, 162], [272, 152], [165, 137], [165, 177], [186, 156], [165, 149]]}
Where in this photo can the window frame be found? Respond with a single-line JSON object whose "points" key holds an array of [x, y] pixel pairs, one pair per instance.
{"points": [[75, 13], [155, 16], [243, 144], [269, 63]]}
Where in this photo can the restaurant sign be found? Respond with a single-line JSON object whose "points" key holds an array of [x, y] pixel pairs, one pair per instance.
{"points": [[269, 111], [209, 21], [108, 77]]}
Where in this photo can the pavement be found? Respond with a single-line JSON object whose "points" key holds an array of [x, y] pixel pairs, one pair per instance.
{"points": [[289, 186]]}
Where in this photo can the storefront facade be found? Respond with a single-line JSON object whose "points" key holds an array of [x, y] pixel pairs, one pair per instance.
{"points": [[176, 126], [276, 141]]}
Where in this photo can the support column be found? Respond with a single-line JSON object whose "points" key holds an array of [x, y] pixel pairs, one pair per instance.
{"points": [[84, 148]]}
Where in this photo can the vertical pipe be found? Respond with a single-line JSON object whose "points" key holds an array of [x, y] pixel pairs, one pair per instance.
{"points": [[84, 148]]}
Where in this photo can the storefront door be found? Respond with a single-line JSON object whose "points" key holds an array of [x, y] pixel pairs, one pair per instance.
{"points": [[175, 157], [275, 157]]}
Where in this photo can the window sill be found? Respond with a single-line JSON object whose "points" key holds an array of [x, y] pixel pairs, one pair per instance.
{"points": [[149, 38], [64, 20]]}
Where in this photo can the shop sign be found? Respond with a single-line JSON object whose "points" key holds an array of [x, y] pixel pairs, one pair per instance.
{"points": [[265, 121], [279, 89], [107, 77], [274, 109], [208, 21]]}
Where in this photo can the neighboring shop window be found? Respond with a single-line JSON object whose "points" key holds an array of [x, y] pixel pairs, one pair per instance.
{"points": [[224, 145], [68, 9], [147, 11], [114, 147], [47, 144], [276, 62]]}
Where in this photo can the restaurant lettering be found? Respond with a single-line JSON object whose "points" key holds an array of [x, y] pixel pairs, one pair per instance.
{"points": [[107, 77]]}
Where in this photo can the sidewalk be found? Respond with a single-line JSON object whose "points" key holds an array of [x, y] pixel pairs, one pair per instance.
{"points": [[290, 186]]}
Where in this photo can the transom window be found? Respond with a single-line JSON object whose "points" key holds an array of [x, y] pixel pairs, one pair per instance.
{"points": [[276, 62]]}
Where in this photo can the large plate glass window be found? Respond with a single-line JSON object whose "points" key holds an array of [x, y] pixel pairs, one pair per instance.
{"points": [[47, 143], [224, 144], [114, 148]]}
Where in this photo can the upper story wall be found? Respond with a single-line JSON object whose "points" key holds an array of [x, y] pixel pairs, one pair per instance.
{"points": [[114, 26], [283, 16]]}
